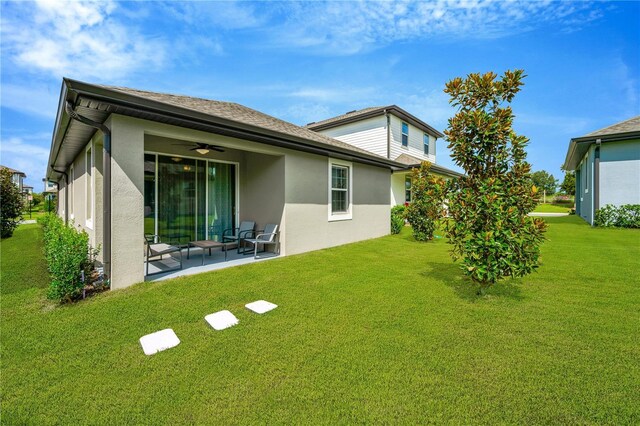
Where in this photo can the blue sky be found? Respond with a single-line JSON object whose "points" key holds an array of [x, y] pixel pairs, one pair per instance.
{"points": [[308, 61]]}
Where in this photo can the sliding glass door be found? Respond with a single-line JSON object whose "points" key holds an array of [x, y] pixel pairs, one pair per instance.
{"points": [[188, 199]]}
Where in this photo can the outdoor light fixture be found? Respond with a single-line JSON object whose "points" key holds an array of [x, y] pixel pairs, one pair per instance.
{"points": [[202, 151]]}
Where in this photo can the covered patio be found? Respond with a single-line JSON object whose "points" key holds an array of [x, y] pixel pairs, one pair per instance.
{"points": [[194, 264]]}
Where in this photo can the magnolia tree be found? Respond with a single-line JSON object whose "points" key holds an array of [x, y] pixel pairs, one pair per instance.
{"points": [[489, 227], [427, 198]]}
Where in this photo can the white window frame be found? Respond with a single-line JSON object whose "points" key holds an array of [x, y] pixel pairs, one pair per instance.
{"points": [[89, 203], [408, 178], [348, 215], [427, 143], [402, 133], [72, 173]]}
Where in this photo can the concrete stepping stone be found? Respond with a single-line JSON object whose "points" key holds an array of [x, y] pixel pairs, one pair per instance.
{"points": [[221, 320], [260, 306], [159, 341]]}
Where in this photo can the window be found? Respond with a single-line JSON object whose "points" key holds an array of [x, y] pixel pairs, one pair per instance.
{"points": [[89, 186], [405, 134], [340, 180], [425, 140], [407, 189], [72, 175]]}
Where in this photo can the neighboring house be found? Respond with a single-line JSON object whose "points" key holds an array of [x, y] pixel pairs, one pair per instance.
{"points": [[607, 166], [129, 162], [391, 132], [17, 177]]}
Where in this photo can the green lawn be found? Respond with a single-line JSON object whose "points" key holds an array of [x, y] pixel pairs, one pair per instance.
{"points": [[552, 208], [379, 331]]}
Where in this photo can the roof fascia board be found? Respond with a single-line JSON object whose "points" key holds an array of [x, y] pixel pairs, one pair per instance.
{"points": [[571, 162]]}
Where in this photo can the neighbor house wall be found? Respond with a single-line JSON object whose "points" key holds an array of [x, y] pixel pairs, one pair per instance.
{"points": [[369, 134], [398, 188], [620, 173], [585, 196], [415, 147]]}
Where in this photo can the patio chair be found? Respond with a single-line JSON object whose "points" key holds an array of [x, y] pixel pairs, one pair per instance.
{"points": [[155, 248], [239, 234], [267, 236]]}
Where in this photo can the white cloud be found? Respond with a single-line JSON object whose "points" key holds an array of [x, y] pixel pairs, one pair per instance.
{"points": [[78, 39], [354, 95], [345, 28]]}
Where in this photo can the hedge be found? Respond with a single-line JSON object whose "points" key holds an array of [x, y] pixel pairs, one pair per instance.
{"points": [[67, 254], [625, 216]]}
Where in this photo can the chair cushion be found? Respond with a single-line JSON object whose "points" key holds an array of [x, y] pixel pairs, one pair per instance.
{"points": [[162, 248]]}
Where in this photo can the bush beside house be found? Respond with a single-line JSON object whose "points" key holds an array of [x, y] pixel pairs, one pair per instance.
{"points": [[626, 216], [68, 256]]}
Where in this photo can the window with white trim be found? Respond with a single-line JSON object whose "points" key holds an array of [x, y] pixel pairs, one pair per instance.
{"points": [[89, 186], [407, 189], [72, 173], [405, 134], [340, 184], [425, 140]]}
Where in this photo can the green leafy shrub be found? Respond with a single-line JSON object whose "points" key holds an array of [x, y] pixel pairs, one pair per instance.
{"points": [[68, 256], [427, 201], [625, 216], [397, 218], [489, 227], [11, 204]]}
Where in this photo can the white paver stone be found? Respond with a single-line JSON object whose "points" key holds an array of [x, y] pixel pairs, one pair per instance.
{"points": [[260, 306], [159, 341], [221, 320]]}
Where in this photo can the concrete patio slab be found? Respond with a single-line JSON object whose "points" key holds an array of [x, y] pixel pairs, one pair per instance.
{"points": [[193, 265]]}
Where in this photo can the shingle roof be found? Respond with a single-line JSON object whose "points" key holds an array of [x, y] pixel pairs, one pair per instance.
{"points": [[361, 114], [630, 125], [350, 114], [412, 161], [14, 171], [239, 113]]}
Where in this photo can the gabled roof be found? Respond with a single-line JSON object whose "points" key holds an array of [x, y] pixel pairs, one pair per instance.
{"points": [[14, 171], [411, 162], [362, 114], [97, 102], [627, 129]]}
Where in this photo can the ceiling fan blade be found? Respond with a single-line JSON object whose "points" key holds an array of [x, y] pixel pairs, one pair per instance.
{"points": [[217, 148]]}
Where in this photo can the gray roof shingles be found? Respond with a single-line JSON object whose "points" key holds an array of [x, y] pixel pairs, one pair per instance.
{"points": [[349, 114], [627, 126], [239, 113]]}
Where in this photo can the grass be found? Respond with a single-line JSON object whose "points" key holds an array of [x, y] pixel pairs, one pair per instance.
{"points": [[379, 331], [552, 208]]}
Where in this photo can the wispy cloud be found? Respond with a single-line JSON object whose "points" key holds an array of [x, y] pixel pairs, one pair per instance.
{"points": [[344, 28], [354, 95], [79, 39]]}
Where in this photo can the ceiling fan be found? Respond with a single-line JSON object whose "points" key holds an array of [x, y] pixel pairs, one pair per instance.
{"points": [[201, 147]]}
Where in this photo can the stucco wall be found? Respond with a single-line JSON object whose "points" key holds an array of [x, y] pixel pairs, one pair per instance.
{"points": [[397, 188], [620, 173], [277, 185], [307, 204], [127, 203]]}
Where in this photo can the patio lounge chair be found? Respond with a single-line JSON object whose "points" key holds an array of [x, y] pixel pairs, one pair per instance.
{"points": [[267, 236], [239, 234], [155, 248]]}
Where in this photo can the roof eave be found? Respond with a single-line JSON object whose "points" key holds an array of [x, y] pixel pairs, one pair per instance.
{"points": [[99, 93], [571, 160]]}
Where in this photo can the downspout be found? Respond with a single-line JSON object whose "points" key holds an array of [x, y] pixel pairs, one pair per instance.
{"points": [[106, 186], [386, 114], [596, 178], [66, 194]]}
